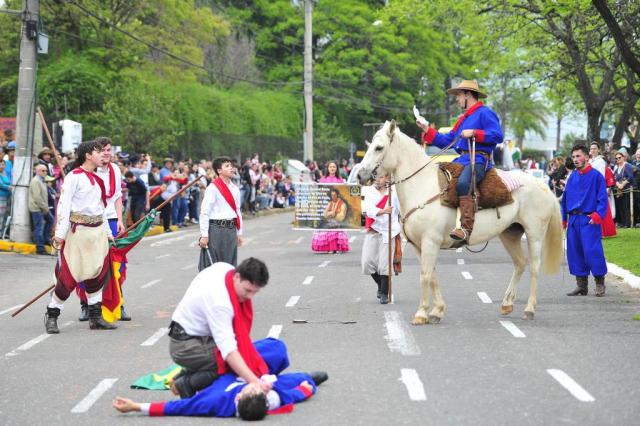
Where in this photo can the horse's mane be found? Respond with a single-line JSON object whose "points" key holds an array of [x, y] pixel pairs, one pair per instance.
{"points": [[417, 146]]}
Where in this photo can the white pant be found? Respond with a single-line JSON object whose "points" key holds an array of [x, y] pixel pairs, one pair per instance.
{"points": [[375, 253]]}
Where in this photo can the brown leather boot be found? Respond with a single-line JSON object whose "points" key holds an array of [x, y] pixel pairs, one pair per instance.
{"points": [[467, 218], [599, 286], [582, 288]]}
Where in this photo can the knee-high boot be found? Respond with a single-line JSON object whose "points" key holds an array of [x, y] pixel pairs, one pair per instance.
{"points": [[599, 286], [467, 219], [376, 278], [582, 287], [384, 289]]}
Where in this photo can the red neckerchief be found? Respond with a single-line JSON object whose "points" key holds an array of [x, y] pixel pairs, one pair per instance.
{"points": [[93, 178], [586, 169], [467, 113], [242, 320], [368, 221], [112, 181], [226, 194]]}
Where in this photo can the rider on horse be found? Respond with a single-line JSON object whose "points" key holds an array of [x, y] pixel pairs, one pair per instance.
{"points": [[481, 123]]}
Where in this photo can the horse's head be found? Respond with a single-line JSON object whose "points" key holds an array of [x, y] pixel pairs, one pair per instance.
{"points": [[379, 159]]}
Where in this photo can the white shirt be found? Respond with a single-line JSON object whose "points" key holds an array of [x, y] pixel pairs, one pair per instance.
{"points": [[214, 206], [598, 163], [206, 310], [103, 173], [78, 195], [381, 224]]}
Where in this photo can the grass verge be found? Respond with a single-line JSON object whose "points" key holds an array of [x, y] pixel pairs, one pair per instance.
{"points": [[624, 250]]}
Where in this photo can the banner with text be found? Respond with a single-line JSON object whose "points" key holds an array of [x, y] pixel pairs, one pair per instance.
{"points": [[327, 206]]}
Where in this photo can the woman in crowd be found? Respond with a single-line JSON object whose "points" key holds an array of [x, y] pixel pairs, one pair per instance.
{"points": [[331, 241], [557, 175], [598, 162], [623, 173]]}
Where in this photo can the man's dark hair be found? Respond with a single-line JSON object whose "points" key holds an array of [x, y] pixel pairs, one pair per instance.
{"points": [[83, 149], [128, 174], [580, 147], [253, 270], [473, 94], [568, 163], [253, 406], [218, 162], [103, 141]]}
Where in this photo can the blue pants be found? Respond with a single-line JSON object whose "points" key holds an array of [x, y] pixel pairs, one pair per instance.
{"points": [[584, 248], [464, 181], [42, 224], [178, 210]]}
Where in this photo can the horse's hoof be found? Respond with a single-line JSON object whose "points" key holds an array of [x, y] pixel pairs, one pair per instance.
{"points": [[419, 320], [527, 315], [506, 309], [434, 319]]}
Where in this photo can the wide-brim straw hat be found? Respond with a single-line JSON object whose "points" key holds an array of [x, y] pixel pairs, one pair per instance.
{"points": [[470, 85], [45, 151]]}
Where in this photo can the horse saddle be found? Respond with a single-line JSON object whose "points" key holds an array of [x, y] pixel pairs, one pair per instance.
{"points": [[491, 192]]}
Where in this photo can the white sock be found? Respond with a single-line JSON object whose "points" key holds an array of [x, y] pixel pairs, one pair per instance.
{"points": [[93, 298]]}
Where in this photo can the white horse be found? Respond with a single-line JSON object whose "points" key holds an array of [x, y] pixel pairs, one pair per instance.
{"points": [[534, 212]]}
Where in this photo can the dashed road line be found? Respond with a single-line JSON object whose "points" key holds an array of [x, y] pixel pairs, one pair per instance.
{"points": [[171, 240], [292, 301], [150, 283], [307, 280], [399, 337], [513, 329], [298, 240], [352, 239], [460, 261], [358, 299], [459, 250], [162, 256], [95, 394], [414, 385], [190, 266], [10, 309], [324, 264], [467, 275], [275, 331], [571, 385], [155, 337], [484, 297], [31, 343]]}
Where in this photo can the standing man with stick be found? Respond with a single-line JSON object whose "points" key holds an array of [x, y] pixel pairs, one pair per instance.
{"points": [[376, 248], [220, 217], [81, 236]]}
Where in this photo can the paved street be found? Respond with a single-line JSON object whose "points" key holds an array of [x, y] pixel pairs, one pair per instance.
{"points": [[576, 363]]}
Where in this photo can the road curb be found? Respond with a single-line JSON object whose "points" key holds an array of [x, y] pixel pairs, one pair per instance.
{"points": [[29, 248], [628, 277]]}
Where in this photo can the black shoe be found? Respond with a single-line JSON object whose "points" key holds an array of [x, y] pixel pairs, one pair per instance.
{"points": [[51, 320], [42, 252], [183, 387], [168, 230], [84, 312], [319, 377], [124, 315], [96, 322]]}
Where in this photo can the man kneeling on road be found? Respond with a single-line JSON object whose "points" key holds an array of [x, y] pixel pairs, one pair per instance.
{"points": [[210, 328], [229, 395]]}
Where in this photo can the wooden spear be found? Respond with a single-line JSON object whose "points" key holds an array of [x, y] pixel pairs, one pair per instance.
{"points": [[46, 131], [390, 295]]}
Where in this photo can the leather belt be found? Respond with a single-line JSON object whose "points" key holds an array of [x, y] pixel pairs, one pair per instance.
{"points": [[177, 332], [578, 213], [225, 223], [482, 153]]}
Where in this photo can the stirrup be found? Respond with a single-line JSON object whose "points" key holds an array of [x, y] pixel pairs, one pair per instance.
{"points": [[454, 235]]}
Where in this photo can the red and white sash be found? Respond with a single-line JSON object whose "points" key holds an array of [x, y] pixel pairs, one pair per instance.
{"points": [[368, 221], [226, 194]]}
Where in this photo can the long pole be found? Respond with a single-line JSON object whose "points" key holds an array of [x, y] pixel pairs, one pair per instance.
{"points": [[30, 302], [25, 123], [308, 80], [390, 295], [56, 154]]}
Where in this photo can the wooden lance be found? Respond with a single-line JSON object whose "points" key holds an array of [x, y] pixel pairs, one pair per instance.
{"points": [[53, 147], [390, 246]]}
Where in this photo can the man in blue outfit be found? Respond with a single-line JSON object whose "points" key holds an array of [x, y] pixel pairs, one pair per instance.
{"points": [[478, 122], [229, 395], [583, 205]]}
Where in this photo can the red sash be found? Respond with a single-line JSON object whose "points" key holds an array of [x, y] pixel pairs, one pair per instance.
{"points": [[112, 181], [242, 320], [226, 194], [93, 178], [465, 115], [369, 221]]}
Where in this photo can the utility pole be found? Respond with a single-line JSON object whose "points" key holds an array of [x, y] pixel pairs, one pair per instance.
{"points": [[308, 80], [25, 122]]}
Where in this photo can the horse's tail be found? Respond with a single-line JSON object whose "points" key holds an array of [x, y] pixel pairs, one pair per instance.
{"points": [[552, 248]]}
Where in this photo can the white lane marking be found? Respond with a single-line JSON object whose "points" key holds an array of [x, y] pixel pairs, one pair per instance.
{"points": [[571, 385], [292, 301], [10, 309], [171, 240], [414, 385], [150, 283], [460, 261], [324, 264], [163, 256], [155, 337], [31, 343], [298, 240], [268, 231], [190, 266], [399, 337], [459, 250], [466, 275], [307, 280], [512, 328], [95, 394], [193, 244], [275, 331], [484, 297], [352, 239], [358, 299]]}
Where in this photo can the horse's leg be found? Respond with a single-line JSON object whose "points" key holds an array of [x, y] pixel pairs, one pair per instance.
{"points": [[535, 260], [439, 306], [420, 318], [428, 254], [511, 240]]}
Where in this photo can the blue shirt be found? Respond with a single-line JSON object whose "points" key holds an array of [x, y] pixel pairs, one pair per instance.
{"points": [[585, 192]]}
